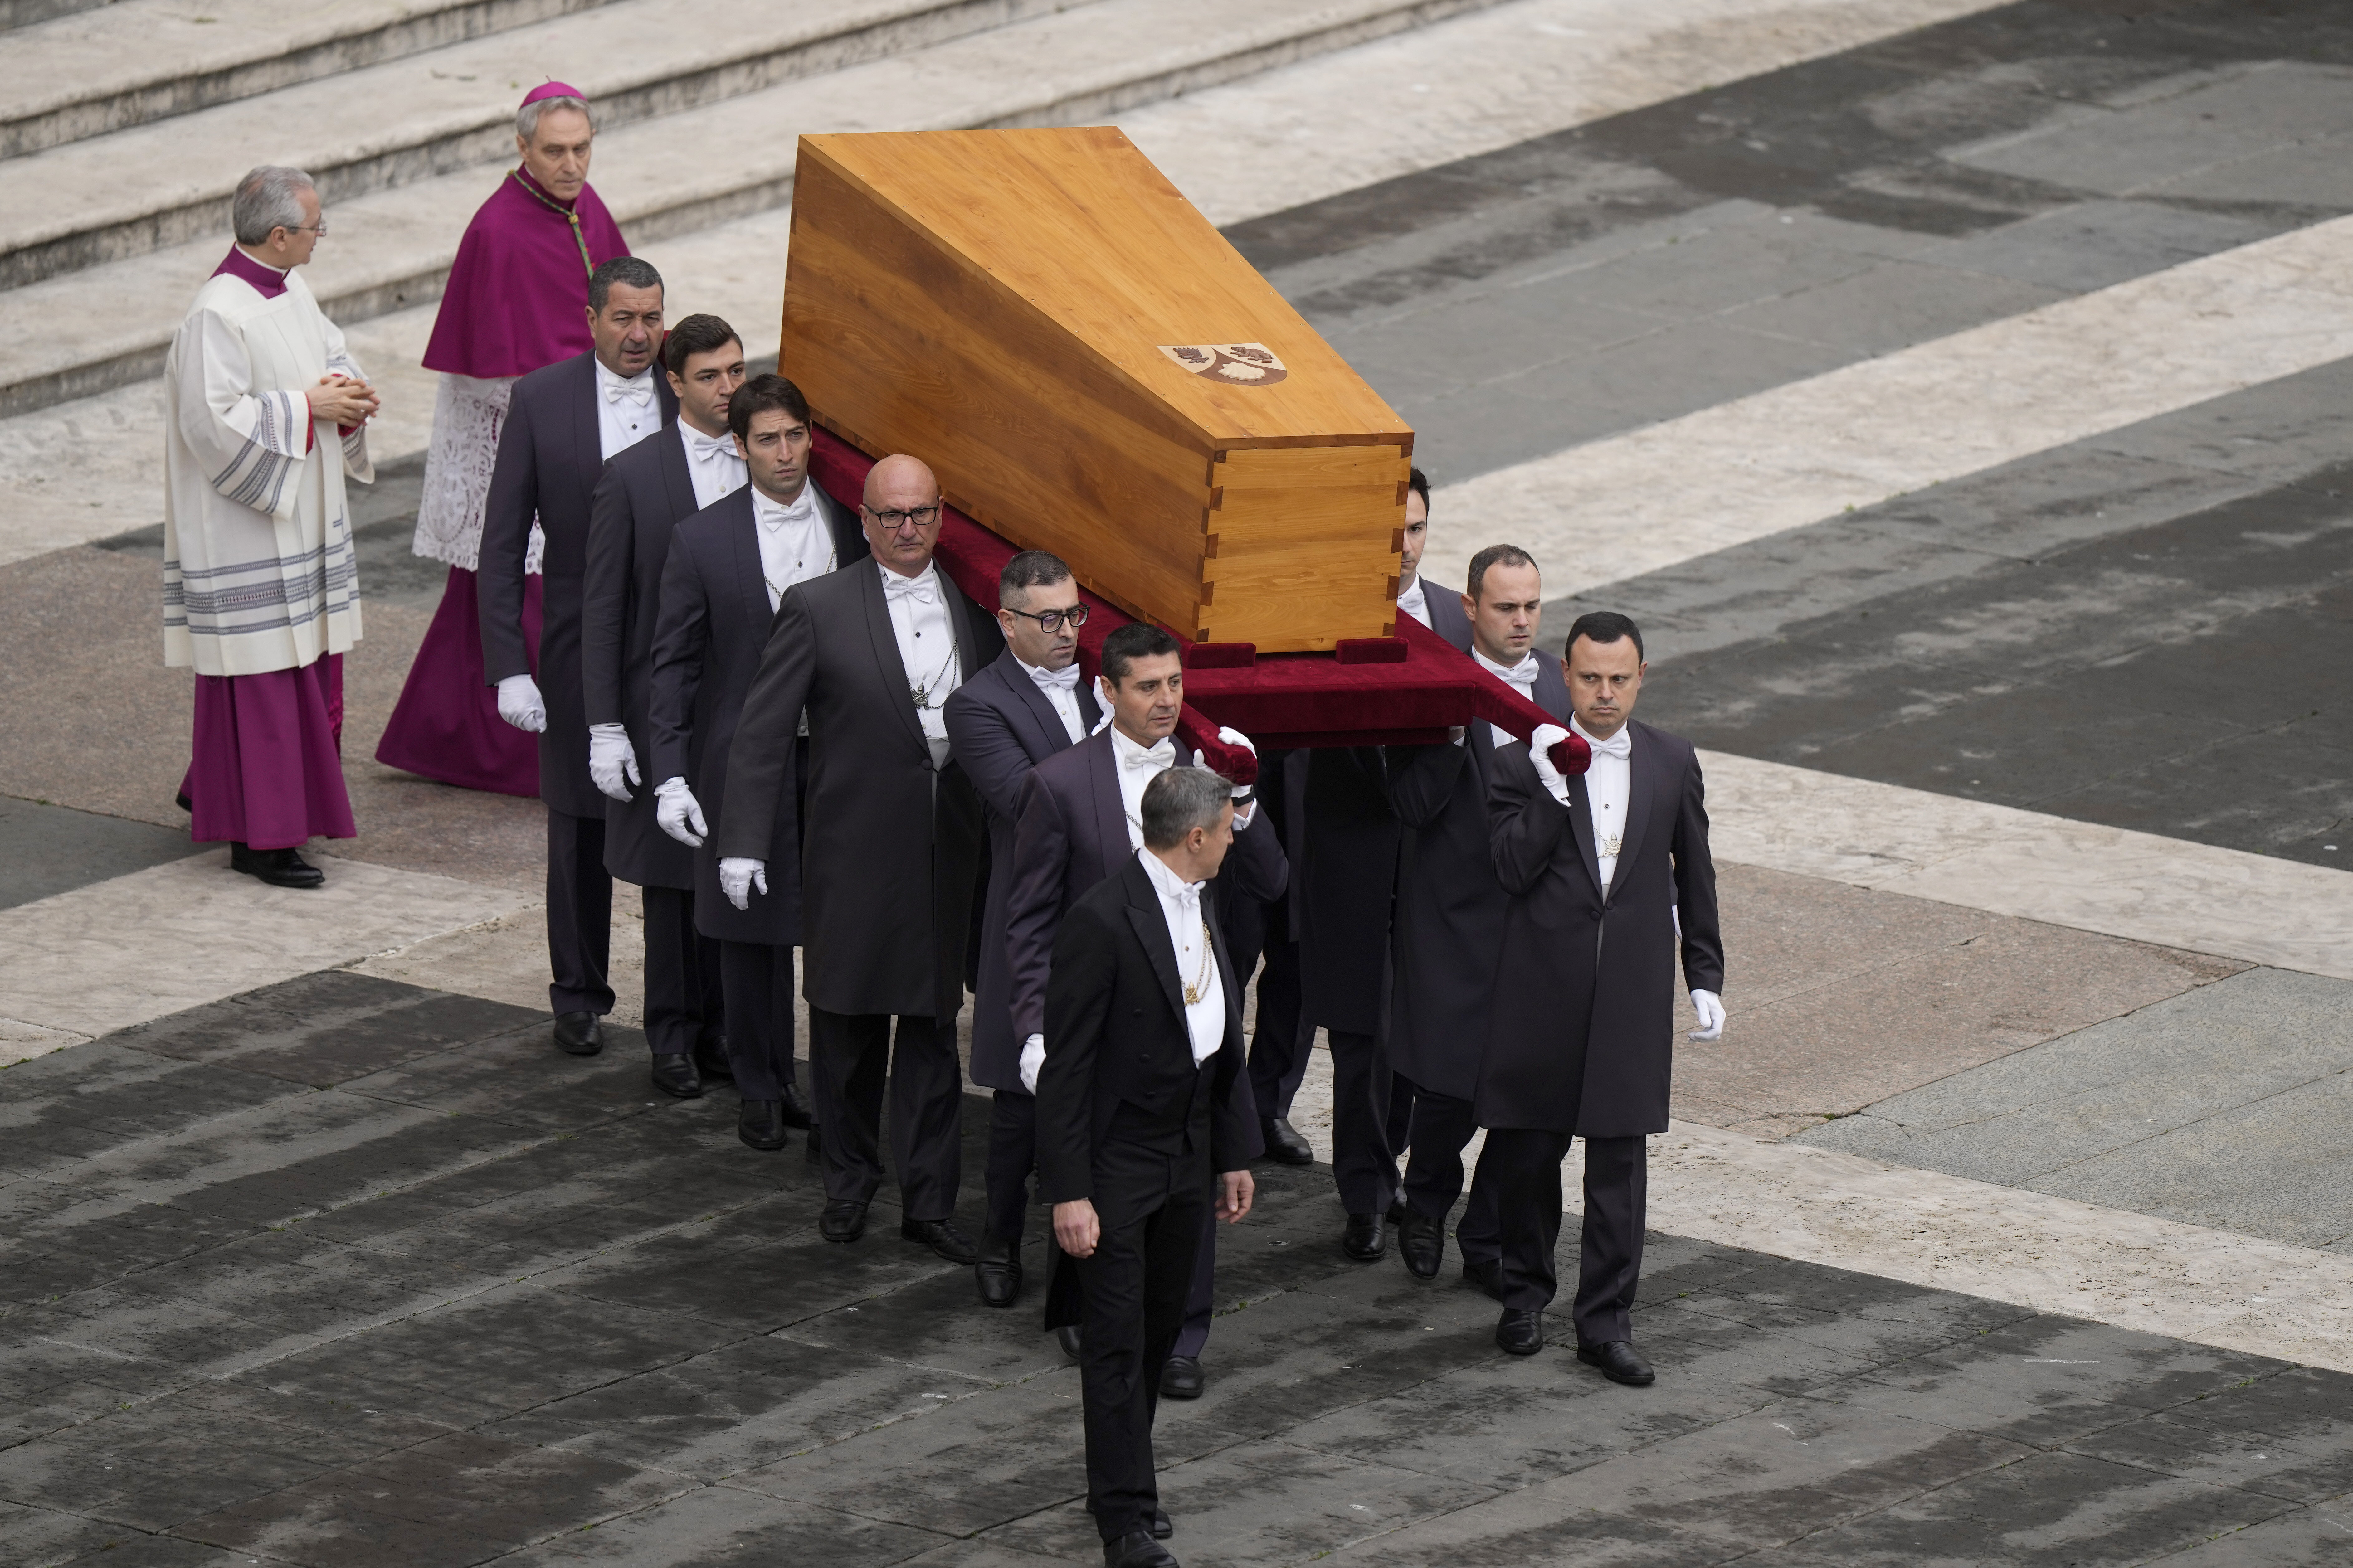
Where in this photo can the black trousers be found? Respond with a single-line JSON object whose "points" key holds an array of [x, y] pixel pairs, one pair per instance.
{"points": [[1363, 1167], [1278, 1054], [579, 915], [684, 1006], [850, 1055], [1610, 1263], [1442, 1127], [1151, 1208], [1012, 1155], [758, 981], [1400, 1118]]}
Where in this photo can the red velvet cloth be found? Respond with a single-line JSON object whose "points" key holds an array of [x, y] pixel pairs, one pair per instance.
{"points": [[1278, 699]]}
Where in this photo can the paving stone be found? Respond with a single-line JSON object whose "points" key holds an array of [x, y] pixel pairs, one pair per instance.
{"points": [[47, 849], [2094, 245], [2311, 1536], [714, 1525]]}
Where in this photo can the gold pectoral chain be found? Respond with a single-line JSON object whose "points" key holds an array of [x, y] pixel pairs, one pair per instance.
{"points": [[1201, 985]]}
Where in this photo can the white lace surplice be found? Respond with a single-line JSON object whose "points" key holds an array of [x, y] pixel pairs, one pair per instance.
{"points": [[468, 413]]}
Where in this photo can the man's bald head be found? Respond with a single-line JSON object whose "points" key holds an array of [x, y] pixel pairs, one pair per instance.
{"points": [[901, 513]]}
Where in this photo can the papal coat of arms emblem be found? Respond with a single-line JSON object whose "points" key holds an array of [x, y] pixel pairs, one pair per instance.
{"points": [[1237, 365]]}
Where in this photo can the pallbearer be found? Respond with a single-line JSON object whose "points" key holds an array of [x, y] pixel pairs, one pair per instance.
{"points": [[729, 567], [644, 494], [265, 413]]}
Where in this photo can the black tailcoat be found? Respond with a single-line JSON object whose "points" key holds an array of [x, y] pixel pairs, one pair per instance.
{"points": [[1446, 617], [891, 849], [1346, 881], [1002, 726], [1071, 834], [550, 457], [1581, 1037], [708, 635], [644, 494], [1449, 906]]}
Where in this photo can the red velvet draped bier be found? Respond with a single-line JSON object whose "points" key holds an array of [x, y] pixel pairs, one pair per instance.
{"points": [[1406, 690]]}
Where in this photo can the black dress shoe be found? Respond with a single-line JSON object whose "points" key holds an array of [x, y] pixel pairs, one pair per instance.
{"points": [[674, 1075], [279, 867], [759, 1125], [579, 1034], [1162, 1529], [1365, 1239], [1396, 1216], [1619, 1363], [796, 1109], [1284, 1146], [1487, 1275], [944, 1236], [1067, 1336], [1522, 1333], [1421, 1242], [998, 1273], [711, 1061], [1136, 1550], [1181, 1378], [844, 1220]]}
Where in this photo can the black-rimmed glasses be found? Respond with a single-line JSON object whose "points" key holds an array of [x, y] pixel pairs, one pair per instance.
{"points": [[1054, 620], [892, 519]]}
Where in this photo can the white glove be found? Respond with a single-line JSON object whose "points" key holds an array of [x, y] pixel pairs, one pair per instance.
{"points": [[1033, 1057], [676, 813], [1710, 1008], [1540, 745], [520, 705], [1233, 737], [738, 875], [612, 761]]}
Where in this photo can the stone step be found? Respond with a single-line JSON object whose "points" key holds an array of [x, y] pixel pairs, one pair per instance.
{"points": [[29, 12], [106, 326], [148, 186], [135, 61]]}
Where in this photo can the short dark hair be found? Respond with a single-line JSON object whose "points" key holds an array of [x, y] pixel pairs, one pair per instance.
{"points": [[1493, 555], [628, 271], [1030, 569], [1419, 483], [1137, 639], [760, 394], [1179, 800], [696, 335], [1603, 626]]}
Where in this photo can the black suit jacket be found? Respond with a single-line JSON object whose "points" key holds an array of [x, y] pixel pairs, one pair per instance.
{"points": [[1002, 726], [1581, 1036], [550, 457], [1070, 833], [890, 849], [1450, 907], [1446, 617], [644, 494], [1119, 1059], [1345, 886], [709, 634]]}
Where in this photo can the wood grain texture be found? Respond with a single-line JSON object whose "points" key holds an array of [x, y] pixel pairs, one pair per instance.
{"points": [[995, 303]]}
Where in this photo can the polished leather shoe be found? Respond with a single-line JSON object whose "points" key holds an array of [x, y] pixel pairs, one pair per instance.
{"points": [[1421, 1242], [1067, 1336], [1181, 1378], [279, 867], [711, 1061], [579, 1034], [1136, 1549], [674, 1075], [1619, 1363], [1522, 1333], [1487, 1275], [998, 1273], [1365, 1239], [944, 1236], [760, 1126], [797, 1108], [1162, 1527], [1284, 1146], [842, 1221]]}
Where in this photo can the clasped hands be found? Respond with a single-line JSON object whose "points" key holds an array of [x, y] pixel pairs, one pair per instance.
{"points": [[350, 403], [1077, 1230]]}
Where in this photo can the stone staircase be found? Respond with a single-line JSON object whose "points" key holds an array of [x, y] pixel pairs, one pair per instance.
{"points": [[124, 126]]}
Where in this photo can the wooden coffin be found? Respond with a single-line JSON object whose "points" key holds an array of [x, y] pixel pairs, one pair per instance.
{"points": [[1092, 369]]}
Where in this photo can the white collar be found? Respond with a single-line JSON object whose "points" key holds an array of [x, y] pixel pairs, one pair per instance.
{"points": [[605, 377], [1521, 674], [1066, 678], [931, 568], [1411, 597], [1123, 748], [1621, 745], [1165, 882], [776, 513]]}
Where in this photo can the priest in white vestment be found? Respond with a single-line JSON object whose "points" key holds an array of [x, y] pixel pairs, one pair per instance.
{"points": [[266, 412]]}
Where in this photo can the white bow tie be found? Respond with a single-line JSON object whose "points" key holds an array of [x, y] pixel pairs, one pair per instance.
{"points": [[703, 447], [916, 588], [639, 392], [1523, 674], [1411, 601], [1066, 678], [1162, 755], [773, 517], [1620, 745], [1188, 897]]}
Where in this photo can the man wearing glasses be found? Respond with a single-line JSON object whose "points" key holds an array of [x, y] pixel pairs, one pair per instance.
{"points": [[890, 853], [1004, 721]]}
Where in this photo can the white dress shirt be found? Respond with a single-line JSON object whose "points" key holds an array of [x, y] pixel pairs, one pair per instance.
{"points": [[1062, 690], [713, 462], [1138, 766], [918, 617], [1607, 784], [794, 543], [1522, 676], [1413, 602], [627, 411], [1197, 960]]}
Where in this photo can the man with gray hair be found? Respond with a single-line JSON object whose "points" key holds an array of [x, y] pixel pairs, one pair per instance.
{"points": [[265, 416]]}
